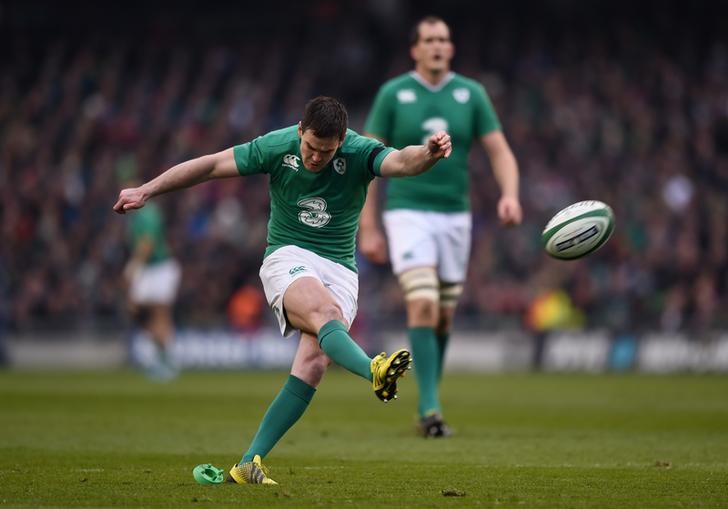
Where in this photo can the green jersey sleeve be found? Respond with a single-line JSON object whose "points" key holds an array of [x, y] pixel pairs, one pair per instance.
{"points": [[371, 151], [486, 119], [376, 151], [250, 157], [377, 157], [379, 121]]}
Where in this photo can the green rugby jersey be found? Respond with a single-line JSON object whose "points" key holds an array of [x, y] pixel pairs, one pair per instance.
{"points": [[407, 110], [147, 222], [315, 211]]}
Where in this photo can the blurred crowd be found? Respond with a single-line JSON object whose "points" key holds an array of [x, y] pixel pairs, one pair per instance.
{"points": [[627, 108]]}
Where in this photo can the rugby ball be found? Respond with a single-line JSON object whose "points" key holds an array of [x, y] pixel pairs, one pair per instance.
{"points": [[577, 230]]}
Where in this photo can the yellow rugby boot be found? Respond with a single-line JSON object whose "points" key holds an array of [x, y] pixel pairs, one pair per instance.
{"points": [[386, 371], [251, 472]]}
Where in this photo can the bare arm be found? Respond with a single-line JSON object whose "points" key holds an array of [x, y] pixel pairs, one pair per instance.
{"points": [[416, 159], [369, 219], [186, 174], [372, 243], [505, 169]]}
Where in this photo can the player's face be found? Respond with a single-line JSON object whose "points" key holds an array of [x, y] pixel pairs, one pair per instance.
{"points": [[434, 49], [317, 152]]}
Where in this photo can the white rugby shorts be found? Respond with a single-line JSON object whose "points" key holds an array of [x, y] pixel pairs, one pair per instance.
{"points": [[289, 263], [156, 283], [420, 238]]}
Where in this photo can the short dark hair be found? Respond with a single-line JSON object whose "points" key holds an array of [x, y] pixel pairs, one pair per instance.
{"points": [[430, 20], [326, 117]]}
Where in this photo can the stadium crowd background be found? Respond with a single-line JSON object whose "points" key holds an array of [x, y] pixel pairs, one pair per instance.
{"points": [[622, 102]]}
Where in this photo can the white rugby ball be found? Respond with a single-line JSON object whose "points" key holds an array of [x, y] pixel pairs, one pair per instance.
{"points": [[577, 230]]}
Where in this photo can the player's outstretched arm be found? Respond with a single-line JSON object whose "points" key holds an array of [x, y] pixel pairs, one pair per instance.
{"points": [[416, 159], [186, 174]]}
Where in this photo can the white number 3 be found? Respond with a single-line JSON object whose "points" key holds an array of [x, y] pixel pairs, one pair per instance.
{"points": [[314, 213]]}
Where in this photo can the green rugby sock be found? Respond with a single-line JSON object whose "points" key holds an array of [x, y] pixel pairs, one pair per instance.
{"points": [[425, 356], [335, 341], [287, 407], [442, 340]]}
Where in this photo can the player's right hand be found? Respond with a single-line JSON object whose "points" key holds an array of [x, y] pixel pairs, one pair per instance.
{"points": [[132, 198], [439, 145], [509, 211], [373, 245]]}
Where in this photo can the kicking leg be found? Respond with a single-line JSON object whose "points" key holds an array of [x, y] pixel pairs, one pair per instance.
{"points": [[312, 307]]}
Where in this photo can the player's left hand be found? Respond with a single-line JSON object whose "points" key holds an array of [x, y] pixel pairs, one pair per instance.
{"points": [[439, 145], [131, 269], [509, 211], [373, 245]]}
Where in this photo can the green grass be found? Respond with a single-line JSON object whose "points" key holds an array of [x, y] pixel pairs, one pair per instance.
{"points": [[523, 440]]}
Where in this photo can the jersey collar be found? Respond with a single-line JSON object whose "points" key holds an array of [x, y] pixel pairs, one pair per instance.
{"points": [[433, 88]]}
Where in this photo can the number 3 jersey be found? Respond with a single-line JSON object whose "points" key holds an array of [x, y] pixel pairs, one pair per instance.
{"points": [[316, 211], [407, 110]]}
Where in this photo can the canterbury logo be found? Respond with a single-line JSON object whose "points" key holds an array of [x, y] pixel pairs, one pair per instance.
{"points": [[406, 96], [296, 270], [291, 161]]}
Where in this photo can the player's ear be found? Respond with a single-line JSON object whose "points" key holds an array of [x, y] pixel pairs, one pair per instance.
{"points": [[300, 131]]}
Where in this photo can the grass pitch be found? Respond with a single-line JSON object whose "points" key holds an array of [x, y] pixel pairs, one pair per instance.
{"points": [[523, 440]]}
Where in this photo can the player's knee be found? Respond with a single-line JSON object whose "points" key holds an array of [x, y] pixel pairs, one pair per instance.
{"points": [[420, 284], [422, 312], [326, 312], [421, 291], [449, 296], [444, 322]]}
